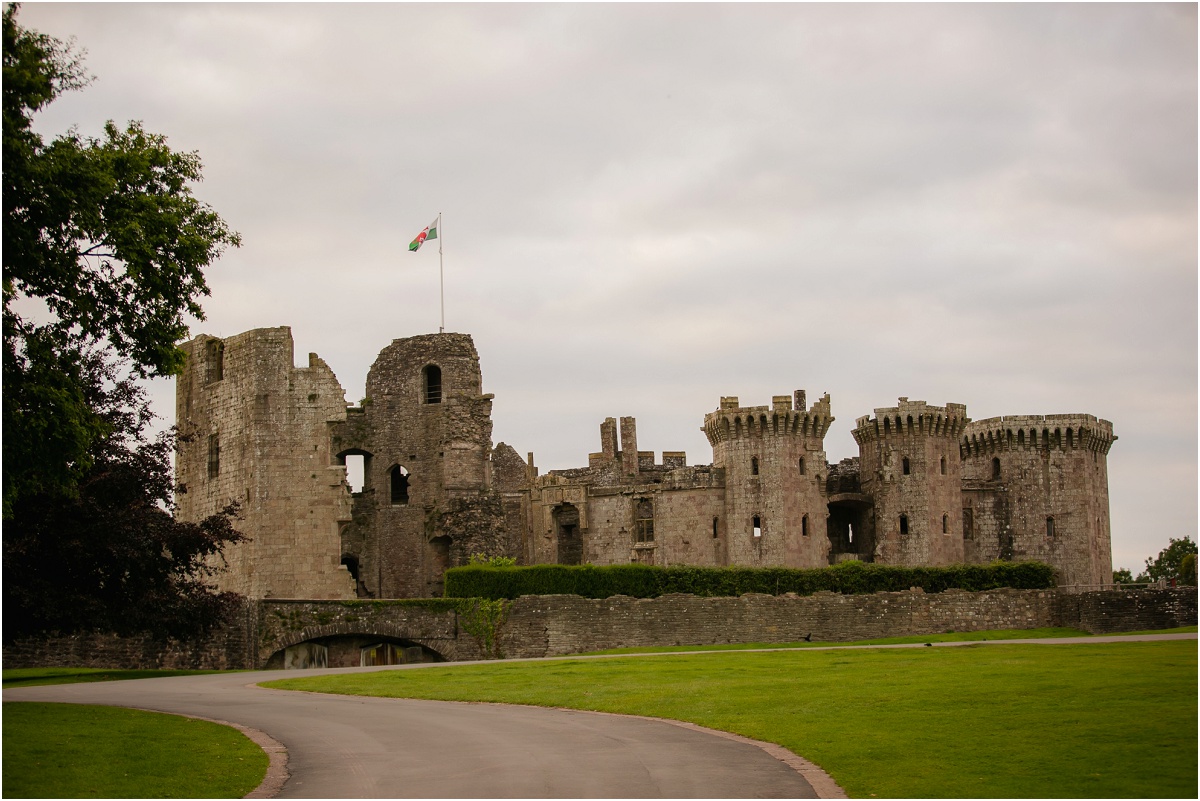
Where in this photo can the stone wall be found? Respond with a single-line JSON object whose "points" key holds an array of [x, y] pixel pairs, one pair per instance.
{"points": [[254, 429], [558, 625]]}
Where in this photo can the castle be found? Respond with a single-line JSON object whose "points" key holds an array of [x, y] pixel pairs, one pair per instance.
{"points": [[929, 487]]}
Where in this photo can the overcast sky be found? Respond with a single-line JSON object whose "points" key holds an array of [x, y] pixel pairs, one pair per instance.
{"points": [[647, 207]]}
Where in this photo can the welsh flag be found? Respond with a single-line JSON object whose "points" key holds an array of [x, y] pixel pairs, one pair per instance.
{"points": [[430, 232]]}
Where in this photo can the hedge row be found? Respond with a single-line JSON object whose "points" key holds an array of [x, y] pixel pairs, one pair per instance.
{"points": [[645, 581]]}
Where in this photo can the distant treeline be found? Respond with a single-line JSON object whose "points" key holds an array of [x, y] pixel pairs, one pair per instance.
{"points": [[645, 581]]}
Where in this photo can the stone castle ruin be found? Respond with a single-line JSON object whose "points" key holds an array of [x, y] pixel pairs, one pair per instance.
{"points": [[929, 487]]}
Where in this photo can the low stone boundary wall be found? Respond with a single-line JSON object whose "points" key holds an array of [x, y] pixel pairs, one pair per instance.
{"points": [[558, 625]]}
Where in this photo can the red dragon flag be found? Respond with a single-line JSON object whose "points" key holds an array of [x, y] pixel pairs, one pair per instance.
{"points": [[430, 232]]}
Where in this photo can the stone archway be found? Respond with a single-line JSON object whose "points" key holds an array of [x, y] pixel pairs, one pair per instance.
{"points": [[568, 536]]}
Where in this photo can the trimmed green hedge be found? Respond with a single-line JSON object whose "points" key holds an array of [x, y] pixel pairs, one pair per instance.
{"points": [[644, 581]]}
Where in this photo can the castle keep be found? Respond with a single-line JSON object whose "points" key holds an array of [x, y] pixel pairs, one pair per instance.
{"points": [[929, 487]]}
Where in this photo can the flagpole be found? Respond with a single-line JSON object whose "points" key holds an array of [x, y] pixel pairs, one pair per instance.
{"points": [[441, 275]]}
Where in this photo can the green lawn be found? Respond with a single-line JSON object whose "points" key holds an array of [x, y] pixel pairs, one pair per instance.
{"points": [[80, 751], [1022, 721], [30, 677]]}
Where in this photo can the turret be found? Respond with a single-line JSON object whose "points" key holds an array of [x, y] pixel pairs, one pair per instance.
{"points": [[774, 462], [909, 464], [1036, 487]]}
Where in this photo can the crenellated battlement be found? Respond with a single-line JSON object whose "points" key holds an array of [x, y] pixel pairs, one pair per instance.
{"points": [[912, 418], [787, 416], [1037, 432]]}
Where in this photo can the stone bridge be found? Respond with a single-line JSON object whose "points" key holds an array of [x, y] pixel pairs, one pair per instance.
{"points": [[302, 633]]}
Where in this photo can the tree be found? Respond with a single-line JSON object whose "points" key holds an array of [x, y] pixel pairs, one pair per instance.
{"points": [[111, 557], [1169, 562], [108, 236], [104, 252], [1122, 576]]}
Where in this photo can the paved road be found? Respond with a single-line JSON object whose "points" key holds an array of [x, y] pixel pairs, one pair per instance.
{"points": [[348, 747], [351, 747]]}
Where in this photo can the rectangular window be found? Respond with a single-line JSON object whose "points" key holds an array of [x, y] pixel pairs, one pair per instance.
{"points": [[643, 525], [757, 524], [968, 524], [214, 353], [214, 455]]}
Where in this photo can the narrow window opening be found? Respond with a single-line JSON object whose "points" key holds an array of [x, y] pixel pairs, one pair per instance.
{"points": [[801, 465], [907, 467], [850, 533], [757, 524], [945, 524], [904, 525], [214, 455], [433, 383], [716, 532], [996, 468], [399, 482], [214, 360], [804, 526], [356, 470], [968, 524], [1049, 526], [754, 465], [943, 465]]}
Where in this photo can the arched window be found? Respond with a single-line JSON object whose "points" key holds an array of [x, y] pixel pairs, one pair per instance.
{"points": [[945, 524], [754, 465], [996, 468], [904, 525], [399, 482], [804, 526], [907, 466], [1050, 526], [433, 383]]}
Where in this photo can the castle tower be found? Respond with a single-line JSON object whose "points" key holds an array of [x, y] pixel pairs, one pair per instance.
{"points": [[424, 432], [774, 462], [255, 429], [1036, 487], [909, 464]]}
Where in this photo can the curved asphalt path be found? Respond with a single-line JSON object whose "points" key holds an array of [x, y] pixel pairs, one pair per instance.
{"points": [[357, 747]]}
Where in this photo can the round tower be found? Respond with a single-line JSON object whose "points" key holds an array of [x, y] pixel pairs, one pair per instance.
{"points": [[774, 462], [1036, 487], [910, 466]]}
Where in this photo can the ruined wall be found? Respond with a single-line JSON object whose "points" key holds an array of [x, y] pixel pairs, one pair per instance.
{"points": [[910, 467], [775, 468], [254, 429], [1036, 487], [424, 432]]}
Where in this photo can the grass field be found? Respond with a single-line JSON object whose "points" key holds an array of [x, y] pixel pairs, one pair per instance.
{"points": [[1021, 721], [80, 751], [31, 677]]}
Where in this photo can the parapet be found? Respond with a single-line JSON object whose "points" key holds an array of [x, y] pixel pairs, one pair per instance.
{"points": [[1037, 431], [786, 416], [912, 418]]}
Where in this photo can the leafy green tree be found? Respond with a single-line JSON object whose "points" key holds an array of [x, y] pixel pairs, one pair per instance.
{"points": [[104, 251], [111, 557], [1169, 562], [1187, 570], [1122, 576], [105, 239]]}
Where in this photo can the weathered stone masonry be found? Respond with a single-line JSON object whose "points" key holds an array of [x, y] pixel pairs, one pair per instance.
{"points": [[929, 487], [559, 625]]}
